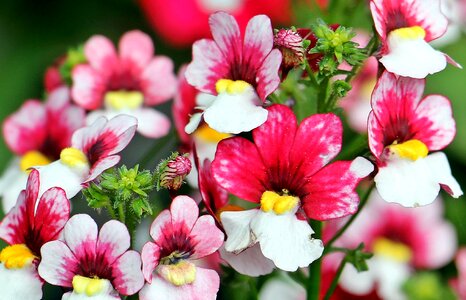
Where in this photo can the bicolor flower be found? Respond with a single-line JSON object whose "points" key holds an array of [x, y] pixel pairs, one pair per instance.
{"points": [[459, 283], [26, 228], [97, 265], [241, 73], [401, 241], [125, 83], [405, 28], [284, 170], [403, 129], [36, 134], [180, 238], [93, 150]]}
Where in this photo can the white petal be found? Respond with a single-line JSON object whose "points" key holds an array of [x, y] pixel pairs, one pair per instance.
{"points": [[235, 113], [21, 283], [193, 123], [286, 240], [390, 277], [280, 288], [204, 99], [108, 293], [12, 182], [236, 225], [357, 283], [249, 262], [412, 57], [440, 168]]}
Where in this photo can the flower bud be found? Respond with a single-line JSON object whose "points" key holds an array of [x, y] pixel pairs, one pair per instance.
{"points": [[290, 43], [172, 171]]}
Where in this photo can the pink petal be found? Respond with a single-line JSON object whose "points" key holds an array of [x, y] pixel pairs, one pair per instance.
{"points": [[101, 165], [183, 105], [151, 123], [163, 220], [150, 255], [242, 175], [25, 130], [207, 67], [127, 274], [317, 141], [81, 236], [136, 48], [331, 191], [88, 87], [213, 196], [58, 99], [113, 241], [101, 54], [375, 133], [58, 265], [267, 76], [184, 210], [227, 36], [207, 237], [158, 81]]}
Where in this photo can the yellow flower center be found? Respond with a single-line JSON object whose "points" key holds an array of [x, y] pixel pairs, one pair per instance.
{"points": [[280, 204], [410, 33], [205, 133], [16, 256], [178, 274], [88, 286], [32, 159], [119, 100], [412, 149], [232, 87], [393, 250], [73, 157]]}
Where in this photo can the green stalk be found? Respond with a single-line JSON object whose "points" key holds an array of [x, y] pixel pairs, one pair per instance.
{"points": [[313, 286], [334, 283]]}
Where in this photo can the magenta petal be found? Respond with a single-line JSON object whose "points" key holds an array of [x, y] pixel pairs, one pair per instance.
{"points": [[127, 274], [58, 265], [101, 165], [163, 220], [88, 87], [101, 54], [267, 76], [208, 238], [136, 48], [150, 255], [158, 81], [242, 175], [375, 135], [81, 236], [184, 210], [226, 34], [113, 240], [317, 141]]}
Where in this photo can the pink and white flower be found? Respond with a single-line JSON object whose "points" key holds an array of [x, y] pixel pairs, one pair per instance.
{"points": [[36, 134], [125, 83], [97, 265], [180, 237], [26, 228], [405, 28], [403, 129], [93, 150], [285, 171], [241, 73]]}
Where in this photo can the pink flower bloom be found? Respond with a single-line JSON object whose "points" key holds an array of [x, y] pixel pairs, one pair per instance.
{"points": [[459, 284], [36, 134], [180, 237], [405, 28], [285, 171], [183, 22], [93, 150], [402, 130], [127, 82], [241, 73], [28, 226], [91, 262]]}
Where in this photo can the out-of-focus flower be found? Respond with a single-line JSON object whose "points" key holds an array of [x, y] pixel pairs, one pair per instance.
{"points": [[93, 150], [36, 134], [26, 228], [459, 283], [403, 128], [97, 265], [401, 241], [180, 237], [182, 22], [172, 171], [285, 171], [125, 83], [282, 287], [405, 28], [241, 73]]}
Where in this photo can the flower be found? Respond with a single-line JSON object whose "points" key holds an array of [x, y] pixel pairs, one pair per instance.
{"points": [[92, 263], [240, 73], [290, 43], [405, 28], [403, 129], [180, 237], [284, 170], [28, 226], [459, 283], [93, 150], [36, 134], [182, 22], [127, 82]]}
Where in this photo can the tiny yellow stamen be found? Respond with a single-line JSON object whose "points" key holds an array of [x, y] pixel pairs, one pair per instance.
{"points": [[230, 86], [412, 149], [32, 159], [205, 133], [16, 256], [179, 274], [88, 286], [393, 250], [280, 204], [73, 157], [410, 33], [119, 100]]}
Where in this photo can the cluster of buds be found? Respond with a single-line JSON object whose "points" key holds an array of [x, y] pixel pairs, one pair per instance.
{"points": [[171, 172]]}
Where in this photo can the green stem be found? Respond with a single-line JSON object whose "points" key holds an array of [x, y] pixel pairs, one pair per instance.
{"points": [[334, 283], [121, 214], [323, 94], [354, 148], [313, 286], [111, 211], [299, 277], [351, 220]]}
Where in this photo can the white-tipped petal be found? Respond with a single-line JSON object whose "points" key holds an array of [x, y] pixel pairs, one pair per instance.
{"points": [[237, 228], [440, 168]]}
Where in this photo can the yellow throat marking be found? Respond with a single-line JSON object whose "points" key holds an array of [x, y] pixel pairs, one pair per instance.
{"points": [[16, 256], [88, 286], [205, 133], [73, 157], [119, 100], [412, 149], [231, 87], [32, 159], [410, 33], [280, 204], [393, 250], [178, 274]]}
